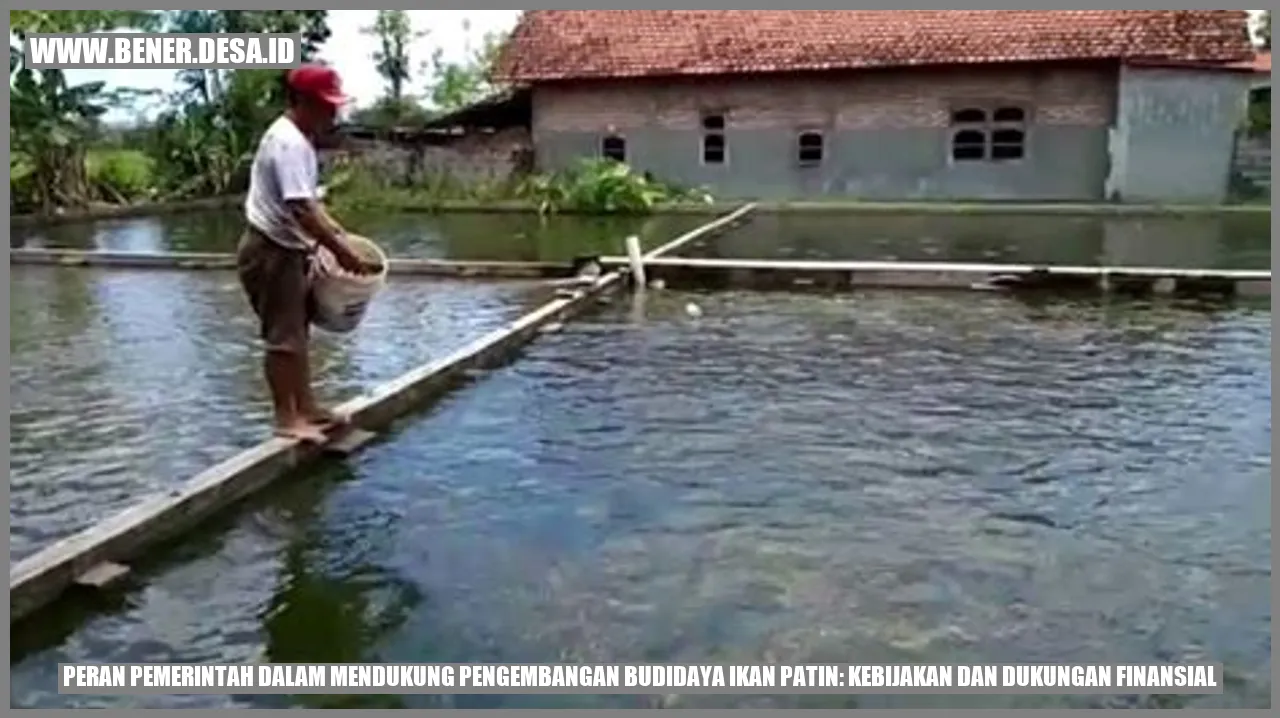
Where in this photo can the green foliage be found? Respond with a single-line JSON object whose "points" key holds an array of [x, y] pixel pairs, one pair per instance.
{"points": [[50, 120], [594, 186], [22, 184], [1259, 118], [203, 144], [120, 175], [22, 22], [388, 112], [458, 84], [601, 186], [395, 34]]}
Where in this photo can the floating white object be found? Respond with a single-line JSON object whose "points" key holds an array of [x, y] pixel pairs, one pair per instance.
{"points": [[342, 297], [590, 271], [658, 285], [693, 310]]}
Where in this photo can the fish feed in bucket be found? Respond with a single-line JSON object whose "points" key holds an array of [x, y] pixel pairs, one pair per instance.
{"points": [[342, 298]]}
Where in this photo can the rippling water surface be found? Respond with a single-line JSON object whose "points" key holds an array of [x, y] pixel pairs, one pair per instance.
{"points": [[126, 382], [1231, 241], [880, 477]]}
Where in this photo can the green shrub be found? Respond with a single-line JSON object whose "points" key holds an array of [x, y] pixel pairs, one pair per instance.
{"points": [[601, 186], [120, 175], [22, 186]]}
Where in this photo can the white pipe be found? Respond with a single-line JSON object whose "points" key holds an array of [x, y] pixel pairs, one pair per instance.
{"points": [[636, 259], [705, 229]]}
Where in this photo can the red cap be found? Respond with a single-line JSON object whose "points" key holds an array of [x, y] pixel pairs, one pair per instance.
{"points": [[318, 81]]}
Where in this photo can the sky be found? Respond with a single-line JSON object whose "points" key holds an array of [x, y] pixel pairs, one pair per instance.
{"points": [[348, 50]]}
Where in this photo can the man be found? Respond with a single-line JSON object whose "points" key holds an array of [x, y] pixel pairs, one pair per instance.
{"points": [[286, 222]]}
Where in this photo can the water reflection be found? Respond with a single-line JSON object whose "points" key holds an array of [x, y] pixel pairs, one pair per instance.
{"points": [[126, 382], [475, 236], [1240, 241]]}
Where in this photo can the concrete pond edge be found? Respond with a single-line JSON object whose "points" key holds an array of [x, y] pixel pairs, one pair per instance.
{"points": [[825, 206], [227, 261], [792, 275], [97, 557]]}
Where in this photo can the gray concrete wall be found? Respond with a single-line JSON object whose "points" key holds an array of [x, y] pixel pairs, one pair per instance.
{"points": [[1253, 161], [887, 134], [1175, 134]]}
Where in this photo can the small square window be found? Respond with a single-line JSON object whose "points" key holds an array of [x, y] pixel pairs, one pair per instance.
{"points": [[809, 148], [1008, 144], [614, 148], [969, 145], [713, 149]]}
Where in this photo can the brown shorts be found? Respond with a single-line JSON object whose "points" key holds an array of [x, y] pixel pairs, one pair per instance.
{"points": [[276, 279]]}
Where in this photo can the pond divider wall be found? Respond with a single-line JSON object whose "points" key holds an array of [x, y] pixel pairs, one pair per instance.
{"points": [[105, 548], [825, 206], [212, 260], [763, 274]]}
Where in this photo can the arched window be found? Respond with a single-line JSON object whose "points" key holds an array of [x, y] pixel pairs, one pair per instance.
{"points": [[714, 148], [1009, 114], [1008, 134], [1007, 144], [969, 145], [969, 116], [809, 148], [981, 136], [969, 134]]}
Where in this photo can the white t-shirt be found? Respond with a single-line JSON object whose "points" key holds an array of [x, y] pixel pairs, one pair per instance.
{"points": [[284, 168]]}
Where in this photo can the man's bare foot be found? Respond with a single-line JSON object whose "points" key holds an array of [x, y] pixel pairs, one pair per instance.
{"points": [[325, 418], [302, 431]]}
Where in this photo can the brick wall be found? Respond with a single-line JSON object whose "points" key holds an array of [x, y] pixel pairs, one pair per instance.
{"points": [[1080, 96], [476, 158]]}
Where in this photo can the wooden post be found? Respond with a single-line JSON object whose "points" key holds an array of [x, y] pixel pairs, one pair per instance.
{"points": [[636, 257]]}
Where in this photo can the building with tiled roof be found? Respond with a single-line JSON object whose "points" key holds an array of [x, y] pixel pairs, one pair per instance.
{"points": [[912, 104]]}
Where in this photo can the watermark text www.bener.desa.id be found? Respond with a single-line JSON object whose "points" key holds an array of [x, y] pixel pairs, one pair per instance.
{"points": [[162, 50]]}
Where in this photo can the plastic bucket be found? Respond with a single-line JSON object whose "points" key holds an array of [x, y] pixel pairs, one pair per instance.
{"points": [[342, 298]]}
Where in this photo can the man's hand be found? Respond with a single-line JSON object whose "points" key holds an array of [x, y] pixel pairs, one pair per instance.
{"points": [[349, 260], [318, 224]]}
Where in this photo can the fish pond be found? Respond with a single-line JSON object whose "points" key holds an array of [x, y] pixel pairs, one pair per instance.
{"points": [[896, 477]]}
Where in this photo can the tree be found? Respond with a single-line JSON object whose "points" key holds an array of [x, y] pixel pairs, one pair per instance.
{"points": [[50, 120], [458, 84], [204, 144], [1264, 30], [396, 35], [22, 22], [312, 24], [208, 85], [395, 32]]}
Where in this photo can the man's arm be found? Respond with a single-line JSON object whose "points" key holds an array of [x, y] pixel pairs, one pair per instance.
{"points": [[296, 173], [316, 222]]}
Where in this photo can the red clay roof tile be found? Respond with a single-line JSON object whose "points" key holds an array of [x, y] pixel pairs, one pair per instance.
{"points": [[1260, 63], [583, 44]]}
